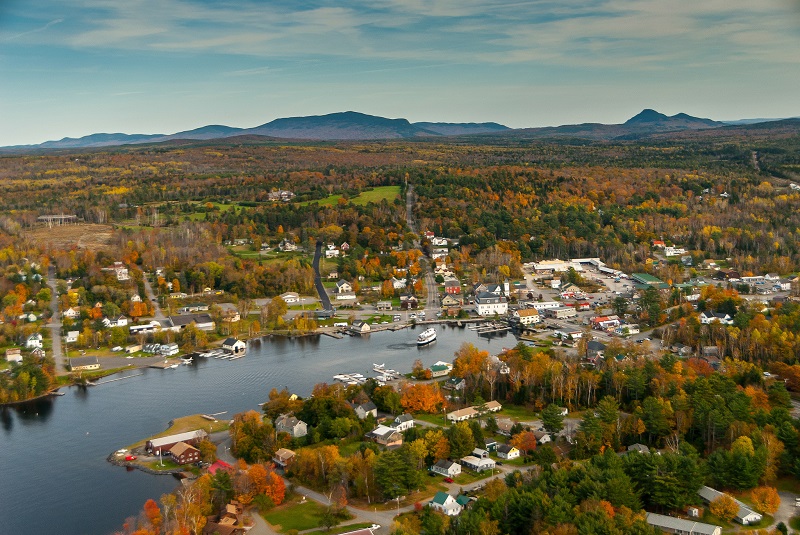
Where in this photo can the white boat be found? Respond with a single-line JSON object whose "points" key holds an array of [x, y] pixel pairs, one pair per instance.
{"points": [[426, 337]]}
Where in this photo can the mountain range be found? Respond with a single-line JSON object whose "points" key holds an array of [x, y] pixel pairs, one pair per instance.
{"points": [[354, 126]]}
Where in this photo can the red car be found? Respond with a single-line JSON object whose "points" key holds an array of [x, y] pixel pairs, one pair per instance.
{"points": [[130, 457], [448, 480]]}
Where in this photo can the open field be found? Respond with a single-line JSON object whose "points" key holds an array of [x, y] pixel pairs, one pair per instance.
{"points": [[83, 235], [296, 515], [375, 195]]}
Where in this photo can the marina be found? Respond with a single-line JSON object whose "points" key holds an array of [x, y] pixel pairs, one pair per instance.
{"points": [[86, 423]]}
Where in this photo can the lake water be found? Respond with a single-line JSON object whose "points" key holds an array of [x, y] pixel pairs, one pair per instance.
{"points": [[54, 477]]}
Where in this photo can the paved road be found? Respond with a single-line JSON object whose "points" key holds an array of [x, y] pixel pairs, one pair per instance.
{"points": [[55, 323], [159, 315], [323, 295]]}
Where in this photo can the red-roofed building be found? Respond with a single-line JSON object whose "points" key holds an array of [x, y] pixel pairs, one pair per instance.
{"points": [[659, 243], [219, 465]]}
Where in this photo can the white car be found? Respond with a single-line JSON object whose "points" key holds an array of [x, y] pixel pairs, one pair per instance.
{"points": [[375, 526]]}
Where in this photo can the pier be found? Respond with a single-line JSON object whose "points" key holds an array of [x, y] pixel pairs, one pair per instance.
{"points": [[112, 380]]}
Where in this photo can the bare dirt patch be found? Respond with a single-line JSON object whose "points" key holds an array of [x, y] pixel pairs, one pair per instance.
{"points": [[83, 235]]}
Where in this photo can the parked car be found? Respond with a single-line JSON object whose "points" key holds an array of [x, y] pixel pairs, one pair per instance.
{"points": [[130, 457], [448, 480]]}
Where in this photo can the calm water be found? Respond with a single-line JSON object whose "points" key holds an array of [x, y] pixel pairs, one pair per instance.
{"points": [[54, 478]]}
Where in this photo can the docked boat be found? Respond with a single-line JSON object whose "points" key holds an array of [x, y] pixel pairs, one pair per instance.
{"points": [[426, 337]]}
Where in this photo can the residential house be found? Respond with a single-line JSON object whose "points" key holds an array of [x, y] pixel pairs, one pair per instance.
{"points": [[504, 426], [455, 384], [450, 300], [480, 453], [627, 329], [403, 422], [638, 448], [290, 297], [439, 252], [744, 515], [489, 304], [118, 321], [490, 444], [360, 327], [342, 286], [331, 251], [446, 468], [71, 313], [283, 457], [136, 298], [398, 284], [462, 415], [365, 409], [439, 370], [183, 453], [446, 504], [670, 524], [84, 363], [507, 451], [452, 287], [14, 354], [287, 423], [287, 246], [542, 437], [386, 436], [527, 316], [479, 465], [33, 341], [439, 242], [234, 345], [490, 406], [710, 317], [193, 307], [72, 336]]}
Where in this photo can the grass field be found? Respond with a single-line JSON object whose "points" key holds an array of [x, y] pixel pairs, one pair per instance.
{"points": [[375, 195], [296, 515], [340, 529], [466, 478], [84, 235]]}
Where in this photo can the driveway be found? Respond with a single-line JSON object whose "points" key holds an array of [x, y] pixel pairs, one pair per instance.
{"points": [[787, 509]]}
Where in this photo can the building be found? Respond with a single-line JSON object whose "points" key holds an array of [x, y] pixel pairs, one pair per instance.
{"points": [[169, 349], [605, 322], [455, 384], [84, 363], [366, 409], [504, 426], [744, 515], [490, 406], [446, 468], [480, 453], [290, 298], [360, 327], [144, 328], [446, 504], [384, 305], [451, 300], [478, 465], [183, 453], [707, 318], [234, 345], [439, 370], [507, 451], [72, 336], [489, 304], [462, 415], [71, 313], [202, 322], [283, 457], [289, 424], [162, 445], [403, 422], [561, 313], [670, 524], [638, 448], [542, 437], [33, 341], [14, 354], [386, 436], [342, 286], [490, 444], [527, 316]]}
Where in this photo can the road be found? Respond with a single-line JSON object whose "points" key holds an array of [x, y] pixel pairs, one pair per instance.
{"points": [[432, 300], [159, 315], [410, 209], [55, 323], [323, 295]]}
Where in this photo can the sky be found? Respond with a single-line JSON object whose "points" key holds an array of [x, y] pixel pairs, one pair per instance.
{"points": [[76, 67]]}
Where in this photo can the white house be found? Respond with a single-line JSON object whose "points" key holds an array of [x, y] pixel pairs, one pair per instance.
{"points": [[234, 345], [542, 437], [507, 451], [34, 341], [403, 422], [744, 515], [710, 317], [398, 284], [365, 409], [119, 321], [446, 468], [331, 251], [15, 355], [461, 415], [289, 424], [488, 304], [71, 313], [671, 524], [290, 297], [135, 298], [72, 336], [478, 465], [446, 504]]}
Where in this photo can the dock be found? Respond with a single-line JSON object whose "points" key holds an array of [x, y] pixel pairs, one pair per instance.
{"points": [[112, 380], [490, 328], [336, 335]]}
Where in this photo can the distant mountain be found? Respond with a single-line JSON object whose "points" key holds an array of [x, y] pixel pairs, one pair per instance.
{"points": [[352, 125], [340, 126], [459, 129]]}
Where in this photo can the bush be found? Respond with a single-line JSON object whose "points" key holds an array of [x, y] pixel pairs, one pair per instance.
{"points": [[263, 502]]}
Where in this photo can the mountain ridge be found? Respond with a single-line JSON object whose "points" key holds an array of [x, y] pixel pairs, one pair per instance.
{"points": [[354, 126]]}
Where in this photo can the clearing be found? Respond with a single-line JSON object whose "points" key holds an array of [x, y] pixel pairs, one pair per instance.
{"points": [[84, 235]]}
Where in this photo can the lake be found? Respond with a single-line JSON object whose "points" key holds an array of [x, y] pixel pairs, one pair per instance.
{"points": [[54, 477]]}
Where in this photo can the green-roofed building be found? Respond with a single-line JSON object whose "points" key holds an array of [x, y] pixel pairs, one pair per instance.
{"points": [[439, 370]]}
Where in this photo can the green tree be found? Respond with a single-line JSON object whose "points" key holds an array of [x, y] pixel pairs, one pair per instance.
{"points": [[461, 440], [552, 419]]}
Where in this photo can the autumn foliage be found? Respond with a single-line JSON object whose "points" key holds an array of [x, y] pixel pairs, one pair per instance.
{"points": [[422, 398]]}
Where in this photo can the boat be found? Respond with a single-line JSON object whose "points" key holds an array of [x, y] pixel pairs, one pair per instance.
{"points": [[172, 366], [426, 337]]}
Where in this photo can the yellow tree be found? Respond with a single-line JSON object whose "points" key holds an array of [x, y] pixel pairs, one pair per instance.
{"points": [[724, 507], [765, 499]]}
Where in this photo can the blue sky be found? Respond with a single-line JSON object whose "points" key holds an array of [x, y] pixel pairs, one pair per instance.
{"points": [[71, 68]]}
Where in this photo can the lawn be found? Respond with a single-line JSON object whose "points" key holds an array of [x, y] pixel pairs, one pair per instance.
{"points": [[436, 419], [341, 529], [466, 478], [517, 412], [296, 515], [163, 464], [432, 486], [375, 195]]}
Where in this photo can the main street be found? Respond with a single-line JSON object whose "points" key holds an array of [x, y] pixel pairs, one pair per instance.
{"points": [[55, 323]]}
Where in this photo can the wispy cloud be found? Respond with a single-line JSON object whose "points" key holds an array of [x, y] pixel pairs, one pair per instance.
{"points": [[35, 30]]}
